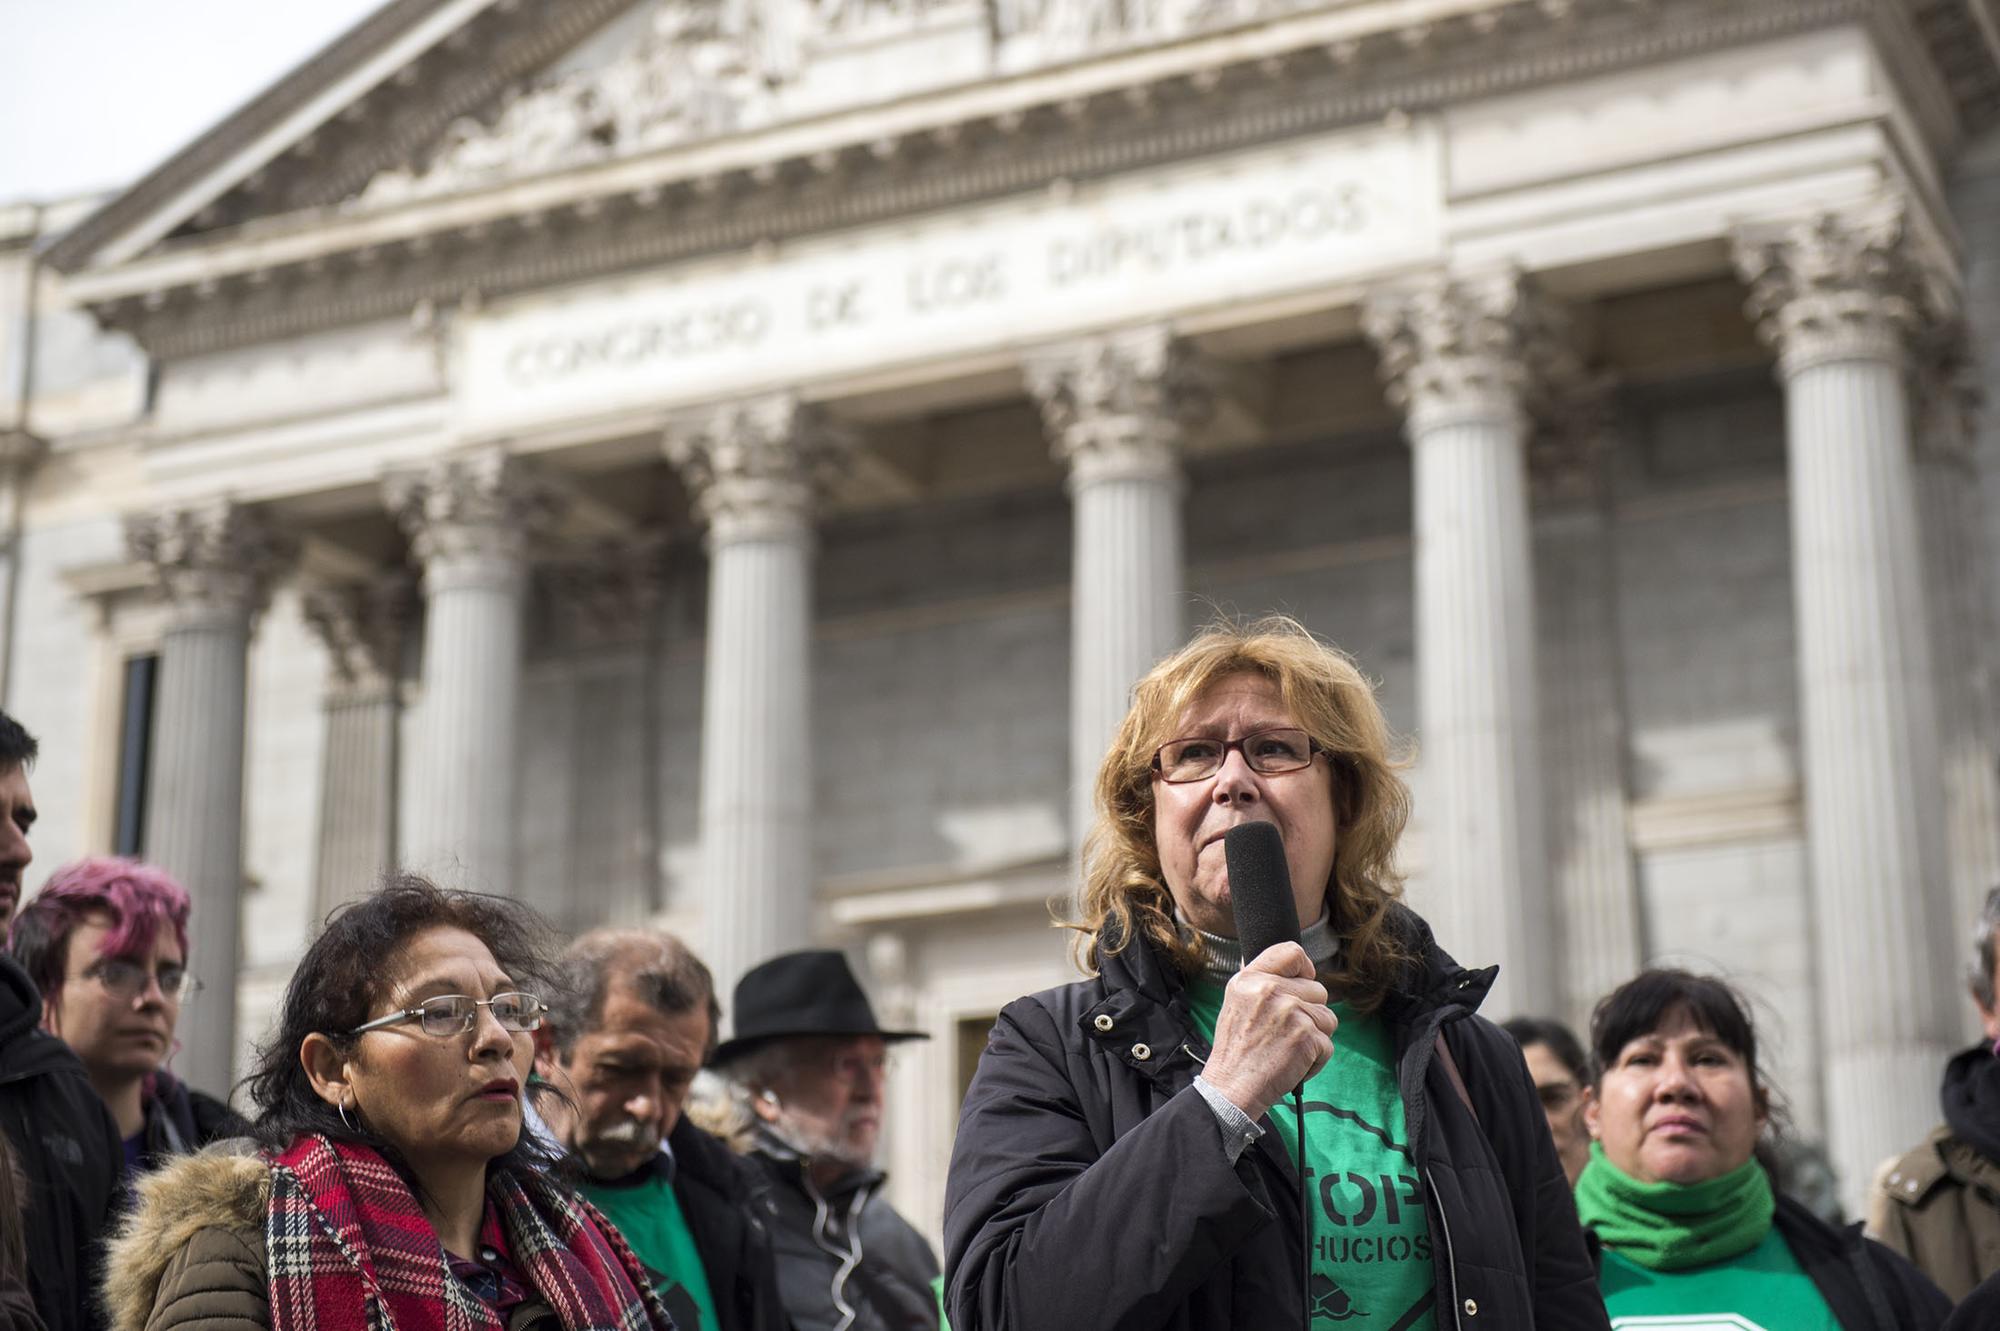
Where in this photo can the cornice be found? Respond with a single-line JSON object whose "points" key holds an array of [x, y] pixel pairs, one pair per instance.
{"points": [[285, 277]]}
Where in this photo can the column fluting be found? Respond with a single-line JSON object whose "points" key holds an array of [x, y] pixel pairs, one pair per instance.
{"points": [[755, 470], [214, 563], [472, 517], [1461, 357], [1118, 410], [1840, 298], [363, 627]]}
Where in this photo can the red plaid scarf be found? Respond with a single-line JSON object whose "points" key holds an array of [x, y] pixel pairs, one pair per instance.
{"points": [[350, 1250]]}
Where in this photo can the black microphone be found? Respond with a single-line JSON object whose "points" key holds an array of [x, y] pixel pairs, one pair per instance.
{"points": [[1260, 886]]}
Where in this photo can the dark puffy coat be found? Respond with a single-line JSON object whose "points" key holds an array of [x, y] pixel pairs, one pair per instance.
{"points": [[735, 1246], [842, 1249], [66, 1145], [1090, 1186], [181, 1120], [17, 1307], [1867, 1286]]}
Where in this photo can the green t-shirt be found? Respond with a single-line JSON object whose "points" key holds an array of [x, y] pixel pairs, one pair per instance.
{"points": [[1371, 1240], [649, 1215], [1765, 1289]]}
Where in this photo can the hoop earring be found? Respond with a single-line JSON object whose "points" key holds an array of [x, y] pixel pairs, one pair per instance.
{"points": [[341, 1106]]}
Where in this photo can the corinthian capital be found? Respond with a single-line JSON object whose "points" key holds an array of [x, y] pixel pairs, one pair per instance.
{"points": [[479, 508], [1120, 406], [214, 561], [756, 468], [1840, 286], [364, 626], [1483, 346]]}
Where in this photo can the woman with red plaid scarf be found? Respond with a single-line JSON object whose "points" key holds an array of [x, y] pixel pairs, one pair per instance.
{"points": [[390, 1186]]}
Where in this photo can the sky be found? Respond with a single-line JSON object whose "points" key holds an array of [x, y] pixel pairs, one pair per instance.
{"points": [[94, 93]]}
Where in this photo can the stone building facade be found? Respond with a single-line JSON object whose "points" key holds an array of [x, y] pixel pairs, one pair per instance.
{"points": [[725, 463]]}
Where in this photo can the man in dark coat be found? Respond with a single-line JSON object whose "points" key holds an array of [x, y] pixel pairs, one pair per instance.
{"points": [[1140, 1218], [809, 1062], [61, 1133], [68, 1148], [630, 1023]]}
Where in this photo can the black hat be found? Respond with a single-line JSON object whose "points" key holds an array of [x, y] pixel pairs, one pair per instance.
{"points": [[801, 993]]}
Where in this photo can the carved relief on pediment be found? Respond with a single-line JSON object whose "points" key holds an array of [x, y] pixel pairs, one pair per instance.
{"points": [[1080, 26], [689, 77], [702, 68]]}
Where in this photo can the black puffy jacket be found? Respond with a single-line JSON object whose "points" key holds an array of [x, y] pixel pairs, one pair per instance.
{"points": [[713, 1186], [1090, 1186], [68, 1147], [846, 1260]]}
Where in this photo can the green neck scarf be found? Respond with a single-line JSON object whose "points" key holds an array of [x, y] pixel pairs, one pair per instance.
{"points": [[1675, 1226]]}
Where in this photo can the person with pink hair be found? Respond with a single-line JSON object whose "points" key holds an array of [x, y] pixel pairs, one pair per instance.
{"points": [[106, 942]]}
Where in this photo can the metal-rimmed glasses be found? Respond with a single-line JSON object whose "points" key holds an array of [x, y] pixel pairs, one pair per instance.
{"points": [[1268, 753], [126, 980], [453, 1014]]}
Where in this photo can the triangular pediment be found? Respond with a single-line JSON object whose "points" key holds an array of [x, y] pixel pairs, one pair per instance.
{"points": [[429, 98], [390, 85]]}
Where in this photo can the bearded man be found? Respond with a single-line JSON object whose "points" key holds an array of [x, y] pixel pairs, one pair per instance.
{"points": [[811, 1062], [629, 1025]]}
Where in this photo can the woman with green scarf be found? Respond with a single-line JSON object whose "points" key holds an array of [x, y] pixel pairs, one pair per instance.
{"points": [[1688, 1229]]}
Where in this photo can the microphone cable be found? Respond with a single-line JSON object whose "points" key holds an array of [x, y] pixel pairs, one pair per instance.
{"points": [[1305, 1213]]}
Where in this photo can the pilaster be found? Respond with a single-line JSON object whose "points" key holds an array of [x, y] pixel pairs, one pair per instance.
{"points": [[365, 628], [1582, 696]]}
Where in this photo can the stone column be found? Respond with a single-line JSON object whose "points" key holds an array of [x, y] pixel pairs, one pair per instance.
{"points": [[1461, 358], [1958, 565], [755, 470], [364, 627], [214, 563], [1840, 299], [1583, 705], [1118, 409], [472, 517]]}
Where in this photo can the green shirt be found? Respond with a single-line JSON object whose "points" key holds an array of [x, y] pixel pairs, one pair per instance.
{"points": [[1371, 1240], [649, 1215], [1765, 1289]]}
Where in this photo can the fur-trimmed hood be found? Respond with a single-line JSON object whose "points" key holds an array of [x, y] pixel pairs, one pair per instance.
{"points": [[225, 1187]]}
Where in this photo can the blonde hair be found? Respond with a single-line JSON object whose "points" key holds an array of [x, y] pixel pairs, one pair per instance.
{"points": [[1124, 893]]}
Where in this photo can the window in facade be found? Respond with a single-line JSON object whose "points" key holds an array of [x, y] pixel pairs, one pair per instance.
{"points": [[135, 752]]}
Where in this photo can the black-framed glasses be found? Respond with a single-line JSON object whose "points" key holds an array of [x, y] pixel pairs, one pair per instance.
{"points": [[126, 980], [453, 1014], [1268, 753]]}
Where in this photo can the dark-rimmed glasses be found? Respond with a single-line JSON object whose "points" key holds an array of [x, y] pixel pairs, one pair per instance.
{"points": [[1268, 753], [453, 1014], [126, 980]]}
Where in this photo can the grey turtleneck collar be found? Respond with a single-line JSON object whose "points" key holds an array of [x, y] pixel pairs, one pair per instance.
{"points": [[1225, 955]]}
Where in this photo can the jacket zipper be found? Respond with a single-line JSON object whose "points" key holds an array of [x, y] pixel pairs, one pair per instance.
{"points": [[1450, 1257]]}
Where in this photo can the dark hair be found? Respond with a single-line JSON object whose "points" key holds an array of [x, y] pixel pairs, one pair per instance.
{"points": [[1557, 1038], [343, 977], [17, 747], [1980, 974], [658, 965], [1638, 1006]]}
